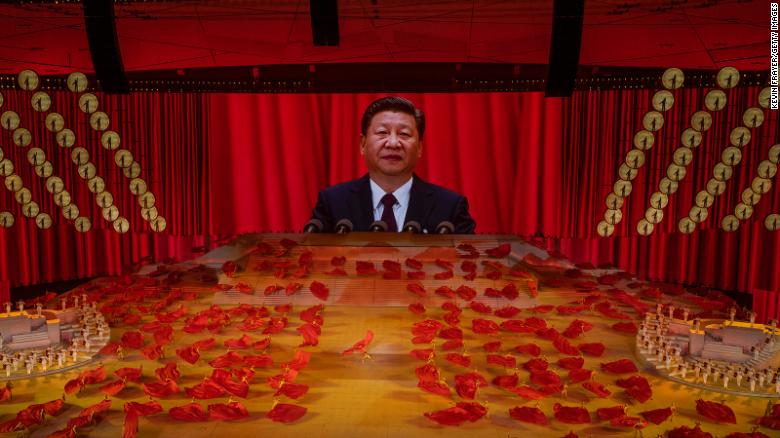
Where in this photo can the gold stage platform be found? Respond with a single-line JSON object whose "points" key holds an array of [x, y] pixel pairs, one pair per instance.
{"points": [[376, 395]]}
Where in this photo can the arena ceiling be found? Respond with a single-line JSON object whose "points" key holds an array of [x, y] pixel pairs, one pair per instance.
{"points": [[164, 35]]}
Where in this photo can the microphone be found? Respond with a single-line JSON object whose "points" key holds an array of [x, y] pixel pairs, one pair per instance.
{"points": [[378, 226], [445, 227], [343, 226], [412, 227], [313, 226]]}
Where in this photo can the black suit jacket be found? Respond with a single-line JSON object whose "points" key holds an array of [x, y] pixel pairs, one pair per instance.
{"points": [[429, 205]]}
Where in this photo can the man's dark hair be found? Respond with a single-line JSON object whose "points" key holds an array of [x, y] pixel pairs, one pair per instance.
{"points": [[393, 103]]}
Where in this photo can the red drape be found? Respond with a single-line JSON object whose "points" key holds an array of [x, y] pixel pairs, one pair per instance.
{"points": [[222, 164]]}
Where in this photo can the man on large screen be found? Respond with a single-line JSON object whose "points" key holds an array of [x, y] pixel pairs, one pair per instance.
{"points": [[392, 129]]}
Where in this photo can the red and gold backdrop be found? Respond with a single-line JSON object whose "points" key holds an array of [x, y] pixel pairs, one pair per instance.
{"points": [[224, 164]]}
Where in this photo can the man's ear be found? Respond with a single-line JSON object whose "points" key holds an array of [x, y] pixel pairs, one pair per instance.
{"points": [[419, 150], [362, 144]]}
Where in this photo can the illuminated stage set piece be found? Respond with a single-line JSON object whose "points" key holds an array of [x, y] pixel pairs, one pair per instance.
{"points": [[382, 335]]}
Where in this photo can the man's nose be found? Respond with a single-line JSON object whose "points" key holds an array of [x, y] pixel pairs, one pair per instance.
{"points": [[393, 141]]}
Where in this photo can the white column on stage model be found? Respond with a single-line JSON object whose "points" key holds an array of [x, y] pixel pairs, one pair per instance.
{"points": [[39, 309], [20, 305]]}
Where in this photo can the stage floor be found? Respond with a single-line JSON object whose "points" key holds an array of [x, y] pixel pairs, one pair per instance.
{"points": [[376, 396]]}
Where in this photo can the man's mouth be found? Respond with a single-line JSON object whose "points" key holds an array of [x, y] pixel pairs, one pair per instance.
{"points": [[392, 157]]}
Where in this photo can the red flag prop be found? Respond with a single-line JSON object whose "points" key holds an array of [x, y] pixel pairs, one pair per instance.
{"points": [[717, 412], [360, 346], [529, 415], [607, 414], [657, 416], [621, 366], [286, 413], [458, 414], [192, 412], [228, 412], [571, 415]]}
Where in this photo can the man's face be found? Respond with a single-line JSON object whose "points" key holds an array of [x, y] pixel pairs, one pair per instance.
{"points": [[392, 144]]}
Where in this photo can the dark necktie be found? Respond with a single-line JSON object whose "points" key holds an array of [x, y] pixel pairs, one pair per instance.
{"points": [[387, 214]]}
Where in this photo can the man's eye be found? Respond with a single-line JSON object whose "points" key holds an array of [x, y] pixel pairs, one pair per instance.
{"points": [[406, 134]]}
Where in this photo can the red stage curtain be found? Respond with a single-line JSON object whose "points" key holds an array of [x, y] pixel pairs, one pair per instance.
{"points": [[223, 164]]}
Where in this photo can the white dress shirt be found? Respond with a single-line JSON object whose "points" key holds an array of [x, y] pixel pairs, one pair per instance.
{"points": [[402, 195]]}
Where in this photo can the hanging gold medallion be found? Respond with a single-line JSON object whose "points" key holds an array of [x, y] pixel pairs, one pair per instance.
{"points": [[715, 100], [13, 182], [22, 137], [727, 77], [667, 186], [654, 215], [740, 136], [644, 228], [149, 214], [767, 169], [87, 171], [43, 221], [774, 154], [653, 121], [613, 217], [41, 101], [138, 186], [96, 185], [66, 138], [604, 229], [627, 173], [743, 211], [121, 225], [663, 100], [79, 156], [9, 120], [731, 156], [110, 213], [622, 188], [730, 223], [753, 117], [614, 201], [99, 121], [88, 103], [704, 199], [62, 199], [54, 184], [159, 224], [635, 158], [749, 197], [715, 187], [698, 214], [123, 158], [77, 82], [675, 172], [36, 156], [761, 185], [682, 156], [771, 222], [70, 212], [146, 200], [643, 140], [23, 195], [55, 122], [82, 224], [28, 80], [44, 170], [30, 209], [110, 140], [672, 78], [722, 172], [701, 121], [6, 167], [104, 199], [659, 200], [133, 170], [6, 219], [765, 97]]}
